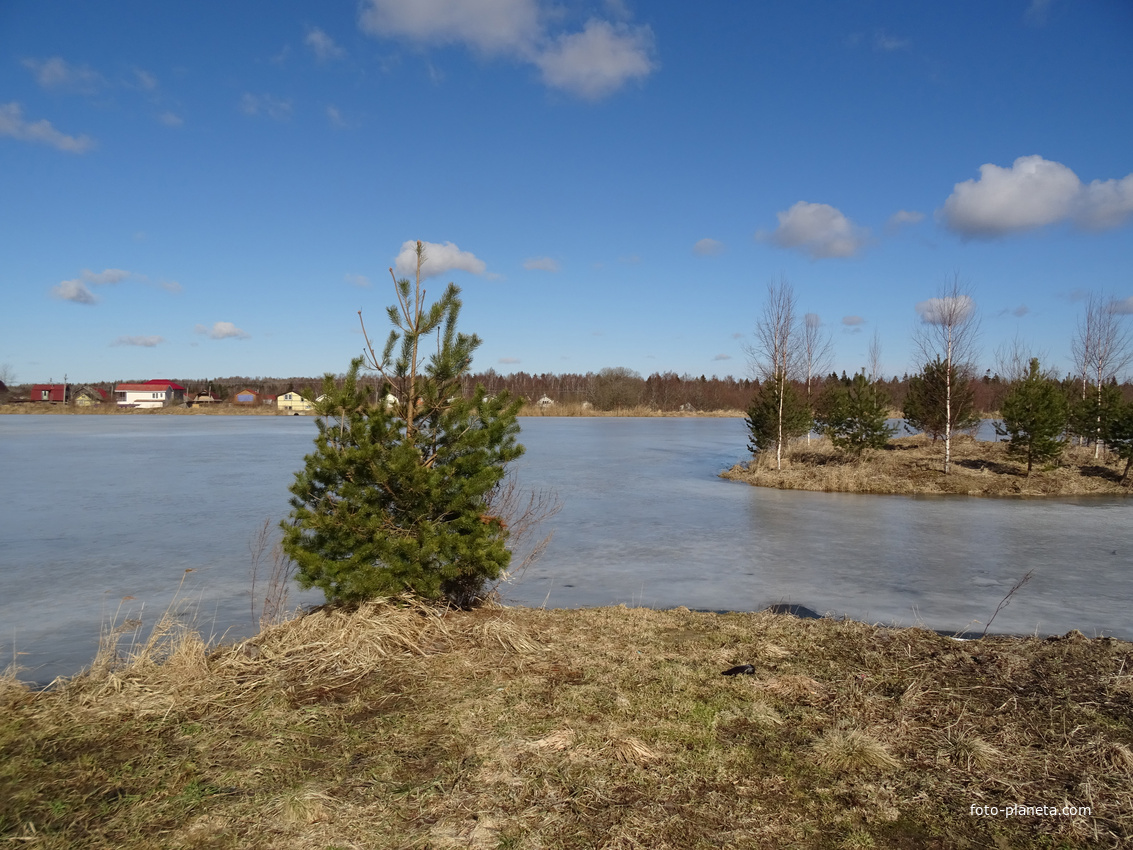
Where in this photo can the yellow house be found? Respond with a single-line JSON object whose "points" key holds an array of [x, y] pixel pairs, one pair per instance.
{"points": [[293, 402]]}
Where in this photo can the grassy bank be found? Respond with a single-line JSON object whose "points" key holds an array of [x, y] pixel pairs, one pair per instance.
{"points": [[507, 728], [914, 465]]}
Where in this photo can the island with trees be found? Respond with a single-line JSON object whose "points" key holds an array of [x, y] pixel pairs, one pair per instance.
{"points": [[1056, 438]]}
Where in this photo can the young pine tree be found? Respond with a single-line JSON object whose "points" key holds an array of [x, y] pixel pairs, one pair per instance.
{"points": [[926, 405], [1035, 414], [1119, 435], [396, 496], [854, 413], [776, 403]]}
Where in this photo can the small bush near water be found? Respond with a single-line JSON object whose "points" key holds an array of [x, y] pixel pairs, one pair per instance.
{"points": [[395, 726]]}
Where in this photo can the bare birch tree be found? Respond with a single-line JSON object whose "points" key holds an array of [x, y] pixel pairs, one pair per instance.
{"points": [[873, 355], [1101, 348], [948, 332], [817, 353], [775, 353]]}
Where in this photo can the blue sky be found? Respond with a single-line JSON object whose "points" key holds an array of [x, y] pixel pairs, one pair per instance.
{"points": [[215, 188]]}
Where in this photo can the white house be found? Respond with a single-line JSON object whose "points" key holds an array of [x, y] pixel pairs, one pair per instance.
{"points": [[150, 394]]}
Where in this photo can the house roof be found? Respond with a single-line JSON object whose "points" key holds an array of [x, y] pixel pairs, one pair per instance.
{"points": [[165, 383], [147, 387]]}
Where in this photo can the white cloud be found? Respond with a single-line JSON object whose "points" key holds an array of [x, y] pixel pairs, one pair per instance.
{"points": [[545, 264], [335, 117], [489, 26], [1032, 193], [359, 280], [439, 259], [708, 247], [1021, 311], [106, 276], [12, 124], [903, 217], [818, 230], [812, 320], [509, 361], [937, 311], [1123, 307], [144, 80], [55, 73], [599, 60], [722, 357], [171, 119], [170, 286], [591, 63], [222, 330], [1036, 13], [265, 104], [885, 42], [143, 341], [322, 45], [73, 290], [853, 321]]}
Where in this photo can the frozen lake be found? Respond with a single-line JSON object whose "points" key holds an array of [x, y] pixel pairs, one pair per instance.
{"points": [[95, 509]]}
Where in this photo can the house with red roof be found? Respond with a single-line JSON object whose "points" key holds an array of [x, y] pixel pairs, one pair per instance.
{"points": [[50, 392], [155, 393]]}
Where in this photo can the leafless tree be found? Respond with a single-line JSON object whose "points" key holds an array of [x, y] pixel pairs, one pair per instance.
{"points": [[948, 331], [1013, 360], [775, 354], [817, 353], [1101, 348], [874, 357]]}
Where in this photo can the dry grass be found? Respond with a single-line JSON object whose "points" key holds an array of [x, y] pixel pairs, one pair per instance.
{"points": [[914, 465], [396, 726]]}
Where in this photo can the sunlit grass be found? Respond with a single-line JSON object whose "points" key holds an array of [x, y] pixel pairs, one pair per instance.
{"points": [[398, 725]]}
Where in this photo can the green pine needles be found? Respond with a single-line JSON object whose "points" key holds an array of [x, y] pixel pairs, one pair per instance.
{"points": [[777, 412], [853, 413], [1035, 416], [398, 495]]}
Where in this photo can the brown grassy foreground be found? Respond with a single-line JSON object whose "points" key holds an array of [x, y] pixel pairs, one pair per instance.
{"points": [[521, 728], [914, 465]]}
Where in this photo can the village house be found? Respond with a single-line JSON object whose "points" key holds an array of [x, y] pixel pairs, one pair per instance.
{"points": [[293, 402], [248, 397], [86, 396], [50, 392], [155, 393]]}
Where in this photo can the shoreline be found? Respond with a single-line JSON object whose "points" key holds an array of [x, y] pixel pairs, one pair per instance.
{"points": [[528, 411]]}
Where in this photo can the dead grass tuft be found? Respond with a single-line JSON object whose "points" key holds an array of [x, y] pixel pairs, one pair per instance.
{"points": [[969, 751], [852, 749]]}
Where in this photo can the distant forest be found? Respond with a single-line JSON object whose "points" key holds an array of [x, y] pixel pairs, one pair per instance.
{"points": [[609, 389]]}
